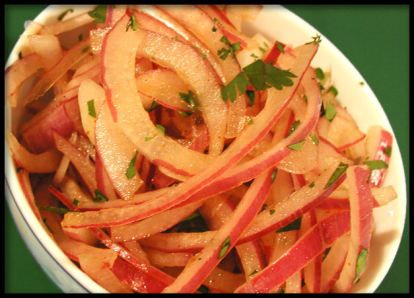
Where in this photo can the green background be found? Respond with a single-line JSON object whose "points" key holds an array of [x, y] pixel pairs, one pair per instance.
{"points": [[374, 38]]}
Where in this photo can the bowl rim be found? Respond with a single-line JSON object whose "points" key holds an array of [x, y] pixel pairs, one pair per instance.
{"points": [[52, 248]]}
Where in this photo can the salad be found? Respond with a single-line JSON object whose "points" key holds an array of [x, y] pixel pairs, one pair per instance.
{"points": [[164, 150]]}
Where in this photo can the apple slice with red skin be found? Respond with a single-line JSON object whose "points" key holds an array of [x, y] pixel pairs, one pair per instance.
{"points": [[378, 141], [38, 135], [46, 162], [333, 263], [83, 165], [167, 259], [164, 86], [253, 134], [216, 211], [201, 24], [361, 205], [117, 152], [47, 80], [199, 267], [17, 73], [313, 243], [133, 119], [103, 182]]}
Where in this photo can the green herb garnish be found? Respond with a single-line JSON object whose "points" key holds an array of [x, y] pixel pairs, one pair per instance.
{"points": [[361, 264], [148, 138], [86, 49], [132, 23], [99, 197], [214, 29], [293, 127], [319, 73], [312, 184], [333, 90], [160, 128], [131, 171], [184, 114], [249, 120], [75, 202], [63, 14], [315, 39], [91, 108], [314, 138], [98, 14], [387, 151], [58, 210], [336, 174], [190, 98], [231, 48], [376, 164], [294, 225], [224, 247], [255, 271], [330, 112], [274, 173], [280, 47], [272, 211], [259, 74], [250, 97], [153, 106], [297, 146]]}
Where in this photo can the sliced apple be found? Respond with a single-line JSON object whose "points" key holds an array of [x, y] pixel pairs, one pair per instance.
{"points": [[168, 259], [48, 48]]}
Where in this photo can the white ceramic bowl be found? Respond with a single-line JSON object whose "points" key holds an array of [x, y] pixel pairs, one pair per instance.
{"points": [[360, 101]]}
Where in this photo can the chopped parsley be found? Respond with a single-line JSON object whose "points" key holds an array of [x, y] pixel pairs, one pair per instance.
{"points": [[63, 14], [131, 171], [336, 174], [184, 114], [333, 90], [293, 127], [190, 98], [153, 106], [314, 138], [319, 73], [259, 74], [132, 23], [214, 29], [280, 47], [376, 164], [224, 248], [297, 146], [330, 112], [361, 263], [58, 210], [86, 49], [272, 211], [160, 128], [294, 225], [91, 108], [99, 197], [274, 173], [231, 48], [387, 151], [75, 202], [255, 271], [98, 14], [148, 138], [250, 97], [312, 184]]}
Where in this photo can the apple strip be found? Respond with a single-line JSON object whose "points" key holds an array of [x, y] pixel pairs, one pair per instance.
{"points": [[165, 87], [46, 162], [118, 155], [82, 163], [225, 239], [379, 147], [216, 211], [17, 73], [67, 25], [103, 182], [311, 272], [298, 203], [201, 24], [156, 13], [48, 79], [152, 274], [168, 259], [222, 281], [307, 247], [361, 204], [48, 48], [178, 242], [39, 135], [253, 134], [154, 224], [333, 263]]}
